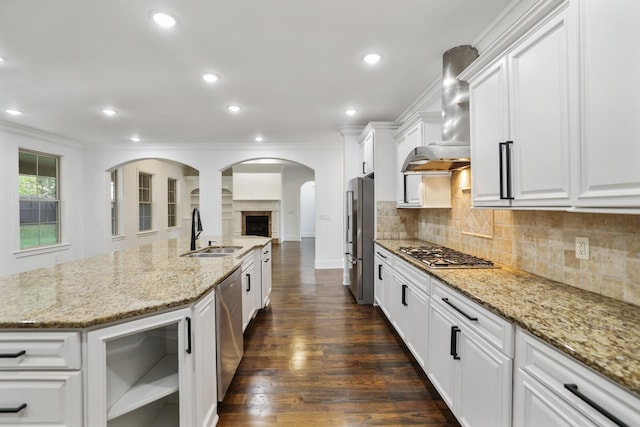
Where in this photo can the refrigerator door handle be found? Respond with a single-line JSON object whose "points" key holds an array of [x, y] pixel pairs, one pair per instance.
{"points": [[349, 217]]}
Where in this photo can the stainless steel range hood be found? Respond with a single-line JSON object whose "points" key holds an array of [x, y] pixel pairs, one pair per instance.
{"points": [[453, 152]]}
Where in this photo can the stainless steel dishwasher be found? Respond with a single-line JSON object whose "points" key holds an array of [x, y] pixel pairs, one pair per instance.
{"points": [[229, 338]]}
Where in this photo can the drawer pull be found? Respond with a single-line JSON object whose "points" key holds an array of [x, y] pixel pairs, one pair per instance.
{"points": [[13, 410], [382, 255], [473, 319], [12, 355], [454, 343], [574, 389]]}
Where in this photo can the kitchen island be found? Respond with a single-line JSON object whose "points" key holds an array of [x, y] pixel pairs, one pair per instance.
{"points": [[131, 335]]}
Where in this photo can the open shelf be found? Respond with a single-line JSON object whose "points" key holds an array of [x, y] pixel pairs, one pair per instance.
{"points": [[160, 381], [169, 417]]}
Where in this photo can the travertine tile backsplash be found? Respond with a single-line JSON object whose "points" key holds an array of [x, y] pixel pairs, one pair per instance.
{"points": [[540, 242]]}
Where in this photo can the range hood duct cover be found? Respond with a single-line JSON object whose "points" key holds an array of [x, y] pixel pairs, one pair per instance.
{"points": [[453, 151]]}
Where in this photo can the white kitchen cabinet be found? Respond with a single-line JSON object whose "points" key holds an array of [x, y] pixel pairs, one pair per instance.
{"points": [[368, 153], [412, 312], [40, 379], [384, 261], [551, 389], [205, 382], [140, 373], [522, 121], [609, 147], [469, 358], [265, 275], [251, 295]]}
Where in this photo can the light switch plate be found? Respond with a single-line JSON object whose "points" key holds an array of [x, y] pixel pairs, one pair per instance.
{"points": [[582, 247]]}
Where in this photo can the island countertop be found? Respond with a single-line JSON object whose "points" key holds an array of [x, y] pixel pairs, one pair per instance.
{"points": [[114, 286], [600, 332]]}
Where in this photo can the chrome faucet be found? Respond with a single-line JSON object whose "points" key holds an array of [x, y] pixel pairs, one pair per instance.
{"points": [[196, 227]]}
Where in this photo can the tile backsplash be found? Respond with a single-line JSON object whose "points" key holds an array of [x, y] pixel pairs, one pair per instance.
{"points": [[539, 242]]}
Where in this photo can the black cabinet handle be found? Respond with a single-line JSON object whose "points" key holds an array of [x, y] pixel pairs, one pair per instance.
{"points": [[379, 271], [248, 283], [12, 355], [266, 260], [188, 335], [382, 255], [574, 389], [13, 410], [405, 196], [504, 150], [453, 349], [404, 295], [473, 319], [363, 171]]}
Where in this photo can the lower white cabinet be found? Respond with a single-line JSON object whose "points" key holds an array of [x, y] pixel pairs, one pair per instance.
{"points": [[140, 373], [384, 261], [251, 285], [205, 381], [265, 275], [551, 389], [473, 375], [40, 379]]}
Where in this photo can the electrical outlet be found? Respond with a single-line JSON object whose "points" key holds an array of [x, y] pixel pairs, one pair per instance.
{"points": [[582, 247]]}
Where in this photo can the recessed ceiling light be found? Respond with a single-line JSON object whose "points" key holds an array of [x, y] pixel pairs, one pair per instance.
{"points": [[109, 112], [372, 58], [2, 59], [135, 138], [209, 77], [164, 19], [233, 108], [350, 112], [259, 139], [13, 112]]}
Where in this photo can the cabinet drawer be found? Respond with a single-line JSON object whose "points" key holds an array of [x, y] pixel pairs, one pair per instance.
{"points": [[420, 279], [489, 326], [39, 350], [51, 398], [266, 251], [554, 369], [384, 255]]}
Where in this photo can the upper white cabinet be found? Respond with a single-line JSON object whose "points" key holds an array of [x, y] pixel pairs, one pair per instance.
{"points": [[420, 190], [610, 135], [379, 157], [521, 120]]}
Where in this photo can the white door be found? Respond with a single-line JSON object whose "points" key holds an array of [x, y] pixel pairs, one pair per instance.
{"points": [[440, 361]]}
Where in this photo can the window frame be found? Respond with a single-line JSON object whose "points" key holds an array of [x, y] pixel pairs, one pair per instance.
{"points": [[145, 203], [39, 200], [115, 202], [172, 202]]}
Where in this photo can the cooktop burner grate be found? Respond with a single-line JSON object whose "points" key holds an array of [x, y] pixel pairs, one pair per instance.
{"points": [[443, 257]]}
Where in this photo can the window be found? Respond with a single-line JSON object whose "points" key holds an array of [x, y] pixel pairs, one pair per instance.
{"points": [[39, 199], [144, 201], [114, 203], [171, 202]]}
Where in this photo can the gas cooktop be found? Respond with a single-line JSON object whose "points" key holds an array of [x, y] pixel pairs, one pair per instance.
{"points": [[443, 257]]}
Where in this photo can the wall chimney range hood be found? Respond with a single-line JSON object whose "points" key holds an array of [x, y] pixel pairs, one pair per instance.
{"points": [[453, 152]]}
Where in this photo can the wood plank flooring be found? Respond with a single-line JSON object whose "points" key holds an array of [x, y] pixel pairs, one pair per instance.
{"points": [[315, 358]]}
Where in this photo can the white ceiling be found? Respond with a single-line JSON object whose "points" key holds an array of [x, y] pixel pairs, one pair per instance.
{"points": [[293, 65]]}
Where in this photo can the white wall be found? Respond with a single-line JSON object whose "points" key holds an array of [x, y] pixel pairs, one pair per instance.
{"points": [[72, 206], [293, 177], [308, 209], [325, 158]]}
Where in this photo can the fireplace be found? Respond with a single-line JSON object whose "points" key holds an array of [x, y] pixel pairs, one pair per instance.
{"points": [[256, 223]]}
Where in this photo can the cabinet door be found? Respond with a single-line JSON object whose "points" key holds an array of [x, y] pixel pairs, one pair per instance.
{"points": [[400, 317], [205, 390], [266, 275], [248, 295], [417, 312], [440, 363], [389, 297], [409, 140], [539, 88], [367, 153], [488, 111], [609, 148], [378, 287], [483, 396]]}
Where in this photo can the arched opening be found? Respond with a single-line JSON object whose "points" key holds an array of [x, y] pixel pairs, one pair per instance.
{"points": [[150, 200], [266, 197]]}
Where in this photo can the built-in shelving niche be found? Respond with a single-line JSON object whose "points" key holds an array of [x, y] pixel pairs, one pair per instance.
{"points": [[143, 379]]}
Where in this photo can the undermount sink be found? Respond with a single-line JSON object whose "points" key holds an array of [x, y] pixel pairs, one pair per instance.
{"points": [[214, 252]]}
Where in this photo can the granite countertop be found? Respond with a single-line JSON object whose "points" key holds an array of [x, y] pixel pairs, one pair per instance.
{"points": [[600, 332], [115, 286]]}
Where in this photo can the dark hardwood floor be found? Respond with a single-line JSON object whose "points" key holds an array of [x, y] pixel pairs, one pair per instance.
{"points": [[315, 358]]}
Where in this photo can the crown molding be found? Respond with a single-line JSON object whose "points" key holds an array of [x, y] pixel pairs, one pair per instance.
{"points": [[40, 134], [349, 130], [430, 95]]}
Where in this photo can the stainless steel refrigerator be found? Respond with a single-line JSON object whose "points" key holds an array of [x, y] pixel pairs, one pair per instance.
{"points": [[360, 233]]}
